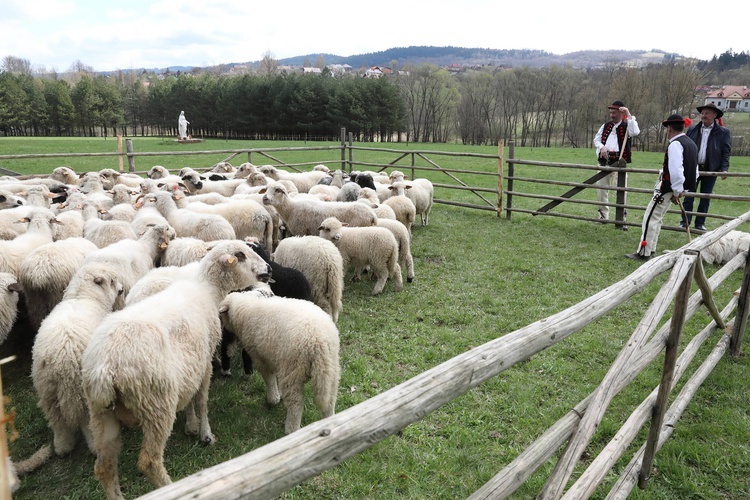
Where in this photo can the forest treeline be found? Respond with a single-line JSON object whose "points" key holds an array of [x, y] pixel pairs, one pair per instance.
{"points": [[549, 106]]}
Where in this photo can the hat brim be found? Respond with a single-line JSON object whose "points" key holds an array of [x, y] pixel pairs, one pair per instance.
{"points": [[667, 123], [719, 113], [613, 107]]}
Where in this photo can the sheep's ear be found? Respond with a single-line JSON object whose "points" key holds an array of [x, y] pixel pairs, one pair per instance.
{"points": [[224, 308], [228, 259], [98, 280], [23, 193], [320, 228], [408, 186], [51, 196], [391, 188], [262, 191], [344, 223], [15, 287], [53, 220]]}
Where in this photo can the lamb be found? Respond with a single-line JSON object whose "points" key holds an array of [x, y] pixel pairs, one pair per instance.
{"points": [[104, 232], [248, 218], [9, 292], [303, 180], [9, 199], [147, 214], [403, 238], [244, 170], [196, 185], [420, 192], [45, 273], [134, 258], [370, 198], [321, 263], [366, 246], [207, 227], [178, 326], [38, 233], [287, 282], [65, 175], [290, 342], [94, 190], [10, 226], [404, 209], [69, 217], [726, 248], [303, 217], [59, 346]]}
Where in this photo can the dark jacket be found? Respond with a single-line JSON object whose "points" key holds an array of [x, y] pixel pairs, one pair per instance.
{"points": [[718, 148]]}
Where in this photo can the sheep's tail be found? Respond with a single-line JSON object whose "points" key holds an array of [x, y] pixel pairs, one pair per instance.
{"points": [[39, 458], [325, 376]]}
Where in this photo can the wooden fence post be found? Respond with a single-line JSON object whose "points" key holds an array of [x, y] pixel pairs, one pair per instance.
{"points": [[622, 182], [665, 386], [131, 158], [351, 151], [743, 306], [509, 197], [343, 149], [500, 151]]}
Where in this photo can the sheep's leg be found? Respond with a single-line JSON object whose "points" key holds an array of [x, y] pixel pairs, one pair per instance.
{"points": [[272, 389], [105, 429], [293, 396], [191, 420], [398, 282], [247, 363], [201, 400], [382, 275], [86, 431], [227, 338], [409, 263], [151, 458], [325, 388]]}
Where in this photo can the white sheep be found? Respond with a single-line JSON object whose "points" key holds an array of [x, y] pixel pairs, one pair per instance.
{"points": [[69, 215], [180, 328], [195, 185], [290, 342], [147, 213], [321, 263], [303, 217], [9, 291], [38, 233], [65, 174], [182, 251], [46, 271], [207, 227], [302, 180], [134, 258], [104, 232], [403, 238], [420, 192], [58, 348], [160, 278], [726, 248], [404, 209], [92, 187], [157, 172], [370, 197], [111, 177], [244, 170], [10, 226], [123, 199], [8, 199], [365, 246]]}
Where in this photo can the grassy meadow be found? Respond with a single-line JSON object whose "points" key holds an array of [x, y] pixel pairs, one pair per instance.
{"points": [[478, 277]]}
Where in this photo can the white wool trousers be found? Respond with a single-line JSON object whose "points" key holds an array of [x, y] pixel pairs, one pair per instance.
{"points": [[602, 195], [652, 221]]}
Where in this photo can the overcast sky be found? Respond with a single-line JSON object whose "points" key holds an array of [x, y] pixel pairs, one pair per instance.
{"points": [[140, 33]]}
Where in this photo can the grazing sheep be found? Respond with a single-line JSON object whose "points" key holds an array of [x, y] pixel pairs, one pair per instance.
{"points": [[404, 209], [726, 248], [45, 273], [321, 263], [302, 180], [370, 198], [420, 192], [403, 238], [9, 290], [207, 227], [178, 326], [290, 342], [303, 217], [134, 258], [59, 346], [38, 233], [365, 246]]}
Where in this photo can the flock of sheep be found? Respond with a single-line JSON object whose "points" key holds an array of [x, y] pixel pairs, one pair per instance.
{"points": [[113, 271]]}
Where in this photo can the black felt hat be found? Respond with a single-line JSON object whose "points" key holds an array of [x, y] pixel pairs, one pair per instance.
{"points": [[672, 120], [712, 106], [616, 105]]}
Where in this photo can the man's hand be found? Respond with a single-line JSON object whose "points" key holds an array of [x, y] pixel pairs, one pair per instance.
{"points": [[604, 152], [625, 111]]}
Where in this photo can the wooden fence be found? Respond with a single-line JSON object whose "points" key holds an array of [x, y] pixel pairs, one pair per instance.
{"points": [[282, 464]]}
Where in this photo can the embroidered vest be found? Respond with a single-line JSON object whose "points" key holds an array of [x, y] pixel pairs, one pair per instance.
{"points": [[689, 165], [620, 136]]}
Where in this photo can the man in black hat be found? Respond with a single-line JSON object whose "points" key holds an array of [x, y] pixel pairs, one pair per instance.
{"points": [[678, 175], [609, 141], [714, 147]]}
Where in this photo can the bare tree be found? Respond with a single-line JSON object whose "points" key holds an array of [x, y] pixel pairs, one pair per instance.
{"points": [[268, 65], [16, 65]]}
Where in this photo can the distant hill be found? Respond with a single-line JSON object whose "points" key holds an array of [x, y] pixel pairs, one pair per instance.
{"points": [[443, 56]]}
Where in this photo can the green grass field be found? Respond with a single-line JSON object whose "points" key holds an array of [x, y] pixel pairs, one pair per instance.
{"points": [[478, 277]]}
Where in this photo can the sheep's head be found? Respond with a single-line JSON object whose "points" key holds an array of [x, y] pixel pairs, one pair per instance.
{"points": [[330, 229], [237, 265], [245, 170], [223, 167], [274, 194], [396, 176], [270, 171], [9, 200], [192, 181], [157, 172]]}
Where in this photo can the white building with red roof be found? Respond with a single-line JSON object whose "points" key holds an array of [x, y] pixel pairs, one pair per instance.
{"points": [[730, 98]]}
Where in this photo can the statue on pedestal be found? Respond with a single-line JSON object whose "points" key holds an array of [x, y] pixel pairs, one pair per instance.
{"points": [[182, 124]]}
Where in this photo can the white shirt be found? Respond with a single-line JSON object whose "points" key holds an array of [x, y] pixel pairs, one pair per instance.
{"points": [[676, 170], [705, 132], [612, 145]]}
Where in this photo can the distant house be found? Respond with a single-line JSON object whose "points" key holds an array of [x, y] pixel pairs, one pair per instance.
{"points": [[377, 72], [730, 98], [311, 71]]}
